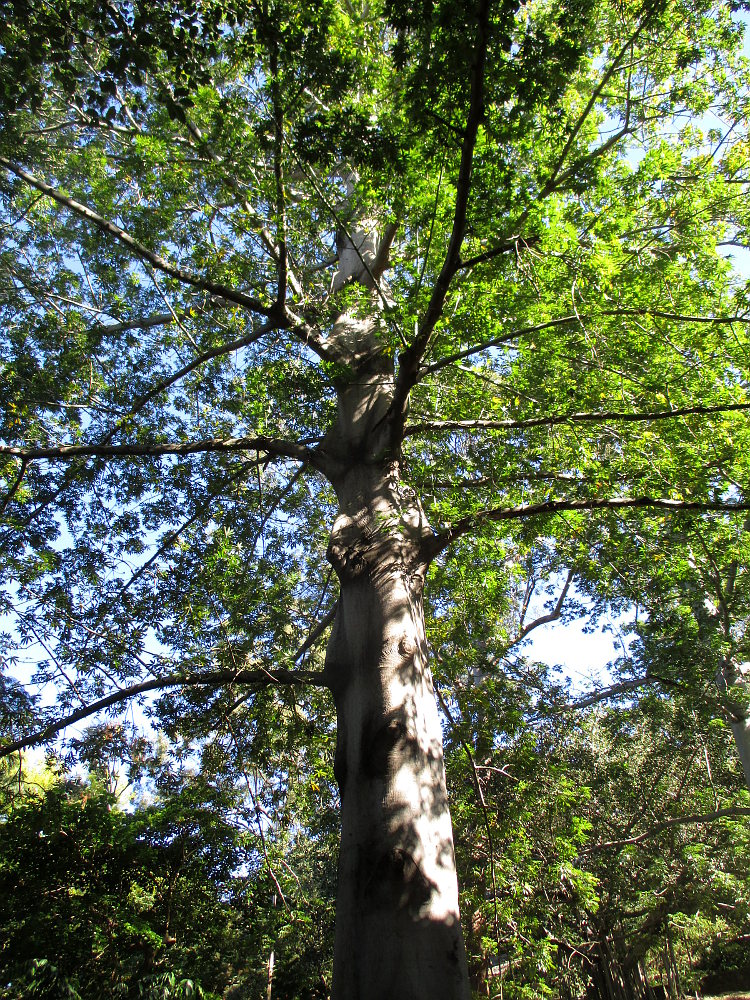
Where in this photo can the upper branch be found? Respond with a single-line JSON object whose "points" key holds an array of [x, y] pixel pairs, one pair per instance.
{"points": [[141, 251], [235, 185], [506, 246], [576, 318], [282, 264], [554, 615], [554, 178], [613, 691], [410, 358], [169, 380], [14, 486], [443, 539]]}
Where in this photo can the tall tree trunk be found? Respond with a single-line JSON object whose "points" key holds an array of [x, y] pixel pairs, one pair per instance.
{"points": [[398, 933]]}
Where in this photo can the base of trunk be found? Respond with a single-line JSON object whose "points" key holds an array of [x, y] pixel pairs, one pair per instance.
{"points": [[398, 932]]}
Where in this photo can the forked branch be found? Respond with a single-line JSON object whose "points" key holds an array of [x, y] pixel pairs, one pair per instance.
{"points": [[554, 615], [137, 248]]}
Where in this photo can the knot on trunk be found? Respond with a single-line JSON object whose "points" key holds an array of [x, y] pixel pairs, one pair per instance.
{"points": [[386, 748], [407, 647], [397, 879], [348, 561], [364, 542]]}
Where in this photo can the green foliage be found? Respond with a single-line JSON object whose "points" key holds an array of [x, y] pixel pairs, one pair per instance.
{"points": [[99, 901], [572, 851], [169, 899]]}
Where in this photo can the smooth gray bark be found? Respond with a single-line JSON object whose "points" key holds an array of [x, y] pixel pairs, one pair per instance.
{"points": [[398, 933]]}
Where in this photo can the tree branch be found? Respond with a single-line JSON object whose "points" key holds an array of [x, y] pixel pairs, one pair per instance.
{"points": [[282, 264], [145, 323], [577, 318], [729, 812], [443, 539], [623, 687], [497, 251], [595, 95], [68, 452], [373, 269], [620, 416], [232, 181], [14, 486], [504, 338], [481, 800], [172, 536], [211, 679], [165, 383], [316, 632], [105, 226], [553, 616], [410, 358]]}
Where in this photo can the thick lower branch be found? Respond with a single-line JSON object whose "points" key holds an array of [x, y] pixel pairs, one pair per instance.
{"points": [[213, 679], [271, 447]]}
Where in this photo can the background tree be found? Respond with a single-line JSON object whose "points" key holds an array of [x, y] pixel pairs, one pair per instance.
{"points": [[387, 286], [97, 901], [601, 850]]}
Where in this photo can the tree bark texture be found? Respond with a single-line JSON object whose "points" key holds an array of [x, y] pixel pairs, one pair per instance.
{"points": [[397, 903], [398, 933]]}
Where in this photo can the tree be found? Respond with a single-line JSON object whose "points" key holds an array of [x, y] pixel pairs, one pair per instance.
{"points": [[97, 901], [688, 632], [389, 285], [601, 842]]}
